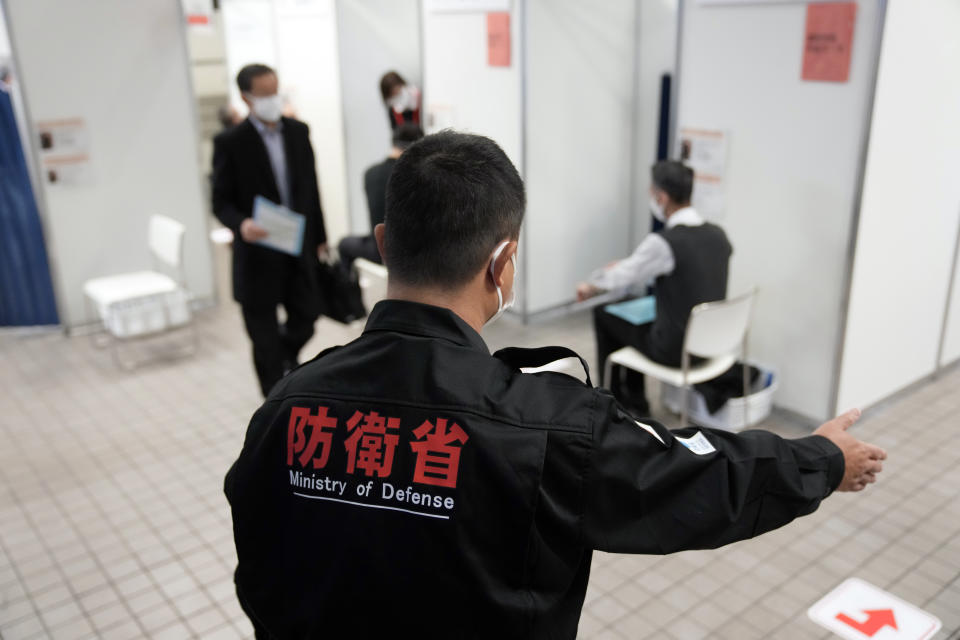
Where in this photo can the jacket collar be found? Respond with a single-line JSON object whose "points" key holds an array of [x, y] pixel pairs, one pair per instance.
{"points": [[414, 318]]}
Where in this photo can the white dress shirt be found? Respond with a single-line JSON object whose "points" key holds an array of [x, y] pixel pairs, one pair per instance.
{"points": [[273, 141], [651, 259]]}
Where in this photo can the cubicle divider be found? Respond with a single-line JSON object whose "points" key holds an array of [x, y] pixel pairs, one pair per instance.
{"points": [[792, 166], [903, 323], [565, 109], [375, 36], [107, 88], [579, 137]]}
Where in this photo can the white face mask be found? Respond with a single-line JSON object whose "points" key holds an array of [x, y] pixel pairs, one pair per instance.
{"points": [[267, 108], [501, 305], [399, 101], [657, 210]]}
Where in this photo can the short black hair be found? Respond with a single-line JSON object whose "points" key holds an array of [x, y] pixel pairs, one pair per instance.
{"points": [[406, 134], [248, 73], [451, 198], [675, 178]]}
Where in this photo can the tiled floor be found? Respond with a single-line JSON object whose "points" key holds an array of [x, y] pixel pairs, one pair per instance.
{"points": [[113, 524]]}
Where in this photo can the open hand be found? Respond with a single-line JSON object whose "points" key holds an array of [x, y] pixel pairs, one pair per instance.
{"points": [[863, 461]]}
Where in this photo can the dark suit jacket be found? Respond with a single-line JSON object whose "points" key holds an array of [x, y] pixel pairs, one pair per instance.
{"points": [[241, 171]]}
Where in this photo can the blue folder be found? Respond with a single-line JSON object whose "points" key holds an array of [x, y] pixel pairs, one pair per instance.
{"points": [[637, 311]]}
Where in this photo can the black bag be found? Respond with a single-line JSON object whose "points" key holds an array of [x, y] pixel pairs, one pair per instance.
{"points": [[340, 298]]}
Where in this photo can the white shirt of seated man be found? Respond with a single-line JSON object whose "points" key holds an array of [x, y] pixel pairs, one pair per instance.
{"points": [[651, 259]]}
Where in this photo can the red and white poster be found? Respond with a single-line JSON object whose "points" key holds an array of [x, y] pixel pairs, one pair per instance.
{"points": [[857, 610], [828, 40], [498, 39], [198, 14]]}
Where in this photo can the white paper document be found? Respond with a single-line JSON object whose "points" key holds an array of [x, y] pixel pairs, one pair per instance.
{"points": [[284, 226]]}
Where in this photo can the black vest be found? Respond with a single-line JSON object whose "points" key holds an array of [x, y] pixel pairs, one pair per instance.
{"points": [[701, 256]]}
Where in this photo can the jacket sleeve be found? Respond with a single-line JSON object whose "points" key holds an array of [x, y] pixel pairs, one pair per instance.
{"points": [[648, 492], [224, 188], [313, 191]]}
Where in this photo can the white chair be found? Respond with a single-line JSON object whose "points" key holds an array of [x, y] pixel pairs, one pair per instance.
{"points": [[142, 303], [373, 282], [716, 331]]}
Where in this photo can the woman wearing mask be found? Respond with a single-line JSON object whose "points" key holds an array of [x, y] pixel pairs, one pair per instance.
{"points": [[401, 99]]}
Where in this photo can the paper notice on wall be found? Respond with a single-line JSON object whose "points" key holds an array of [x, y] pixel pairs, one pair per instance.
{"points": [[705, 152], [498, 39], [198, 14], [65, 151], [828, 41]]}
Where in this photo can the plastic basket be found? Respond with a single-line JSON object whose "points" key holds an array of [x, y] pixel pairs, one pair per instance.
{"points": [[729, 417]]}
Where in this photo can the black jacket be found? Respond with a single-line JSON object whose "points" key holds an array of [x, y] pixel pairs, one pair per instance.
{"points": [[241, 171], [488, 488]]}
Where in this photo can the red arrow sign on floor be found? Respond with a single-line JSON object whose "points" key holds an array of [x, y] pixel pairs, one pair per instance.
{"points": [[876, 619]]}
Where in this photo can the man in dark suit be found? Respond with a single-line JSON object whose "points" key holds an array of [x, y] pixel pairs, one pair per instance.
{"points": [[270, 156]]}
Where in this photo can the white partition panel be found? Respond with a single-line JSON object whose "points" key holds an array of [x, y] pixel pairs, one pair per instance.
{"points": [[951, 330], [578, 137], [791, 177], [375, 36], [910, 208], [460, 89], [657, 55], [299, 39], [122, 68]]}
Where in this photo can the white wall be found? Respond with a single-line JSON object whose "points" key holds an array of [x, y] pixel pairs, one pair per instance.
{"points": [[299, 39], [791, 176], [99, 60], [579, 123], [460, 90], [375, 36], [657, 55], [910, 210], [4, 41]]}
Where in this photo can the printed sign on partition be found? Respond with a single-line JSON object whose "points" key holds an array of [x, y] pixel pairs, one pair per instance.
{"points": [[705, 152], [498, 39], [828, 41], [65, 151], [857, 610]]}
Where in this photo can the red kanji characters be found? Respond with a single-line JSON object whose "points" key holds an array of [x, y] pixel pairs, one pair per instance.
{"points": [[437, 459], [321, 433], [370, 445]]}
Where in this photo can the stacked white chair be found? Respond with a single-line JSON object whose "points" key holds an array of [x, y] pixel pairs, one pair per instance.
{"points": [[144, 303]]}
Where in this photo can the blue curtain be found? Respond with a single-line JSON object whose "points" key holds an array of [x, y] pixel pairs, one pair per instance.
{"points": [[26, 290]]}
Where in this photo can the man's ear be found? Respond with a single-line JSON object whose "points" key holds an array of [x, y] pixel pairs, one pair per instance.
{"points": [[500, 265], [378, 233]]}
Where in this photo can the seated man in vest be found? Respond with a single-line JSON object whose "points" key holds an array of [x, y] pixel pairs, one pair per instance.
{"points": [[687, 260], [375, 185], [411, 484]]}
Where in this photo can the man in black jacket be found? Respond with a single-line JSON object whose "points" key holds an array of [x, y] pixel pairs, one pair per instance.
{"points": [[270, 156], [412, 485]]}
